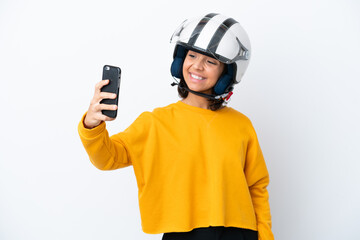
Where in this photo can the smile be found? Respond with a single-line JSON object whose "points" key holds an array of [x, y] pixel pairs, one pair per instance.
{"points": [[196, 76]]}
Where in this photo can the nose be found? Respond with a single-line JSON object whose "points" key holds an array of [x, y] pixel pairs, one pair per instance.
{"points": [[199, 64]]}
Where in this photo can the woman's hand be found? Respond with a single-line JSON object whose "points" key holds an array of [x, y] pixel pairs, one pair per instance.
{"points": [[94, 115]]}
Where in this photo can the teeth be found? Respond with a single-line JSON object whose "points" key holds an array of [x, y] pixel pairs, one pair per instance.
{"points": [[196, 77]]}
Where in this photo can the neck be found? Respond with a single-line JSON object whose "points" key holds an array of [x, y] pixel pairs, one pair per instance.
{"points": [[196, 101]]}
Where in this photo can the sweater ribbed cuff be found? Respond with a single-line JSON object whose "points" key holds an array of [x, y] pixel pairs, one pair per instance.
{"points": [[90, 133]]}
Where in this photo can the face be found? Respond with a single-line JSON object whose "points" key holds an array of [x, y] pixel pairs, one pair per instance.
{"points": [[201, 72]]}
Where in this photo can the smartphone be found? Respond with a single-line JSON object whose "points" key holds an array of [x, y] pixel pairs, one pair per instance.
{"points": [[114, 75]]}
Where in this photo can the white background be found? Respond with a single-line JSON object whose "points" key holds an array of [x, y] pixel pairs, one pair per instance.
{"points": [[301, 92]]}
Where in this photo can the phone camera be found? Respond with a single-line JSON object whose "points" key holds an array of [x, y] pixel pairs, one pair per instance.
{"points": [[107, 68]]}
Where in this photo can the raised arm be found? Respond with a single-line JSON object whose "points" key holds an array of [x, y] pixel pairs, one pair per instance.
{"points": [[104, 152]]}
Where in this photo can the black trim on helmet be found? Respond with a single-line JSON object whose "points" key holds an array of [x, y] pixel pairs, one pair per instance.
{"points": [[219, 34], [195, 34]]}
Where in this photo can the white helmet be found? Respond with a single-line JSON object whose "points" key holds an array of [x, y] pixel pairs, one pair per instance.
{"points": [[217, 36]]}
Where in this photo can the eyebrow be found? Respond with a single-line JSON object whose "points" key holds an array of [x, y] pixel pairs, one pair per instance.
{"points": [[194, 52]]}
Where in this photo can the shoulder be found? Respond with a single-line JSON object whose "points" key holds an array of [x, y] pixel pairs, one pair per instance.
{"points": [[237, 116], [156, 113], [240, 122], [162, 112], [165, 109]]}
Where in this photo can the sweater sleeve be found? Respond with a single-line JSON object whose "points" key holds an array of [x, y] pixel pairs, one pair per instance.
{"points": [[258, 179], [105, 153]]}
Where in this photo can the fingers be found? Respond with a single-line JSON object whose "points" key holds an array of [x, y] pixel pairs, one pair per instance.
{"points": [[103, 95], [100, 84], [107, 95], [102, 106], [94, 114], [106, 118], [98, 95]]}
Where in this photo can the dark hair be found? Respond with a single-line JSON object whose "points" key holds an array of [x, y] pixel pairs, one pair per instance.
{"points": [[214, 104]]}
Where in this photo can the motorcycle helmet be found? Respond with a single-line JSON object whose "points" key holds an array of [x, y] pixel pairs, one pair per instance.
{"points": [[219, 37]]}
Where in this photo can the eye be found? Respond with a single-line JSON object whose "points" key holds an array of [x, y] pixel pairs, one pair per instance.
{"points": [[212, 61]]}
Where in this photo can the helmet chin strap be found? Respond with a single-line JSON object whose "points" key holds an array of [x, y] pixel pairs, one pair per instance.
{"points": [[225, 96]]}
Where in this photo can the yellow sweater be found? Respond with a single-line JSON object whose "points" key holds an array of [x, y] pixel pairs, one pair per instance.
{"points": [[194, 168]]}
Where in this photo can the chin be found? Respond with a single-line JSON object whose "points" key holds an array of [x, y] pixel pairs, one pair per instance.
{"points": [[202, 87], [201, 90]]}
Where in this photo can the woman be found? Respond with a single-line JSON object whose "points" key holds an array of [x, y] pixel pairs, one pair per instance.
{"points": [[198, 164]]}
